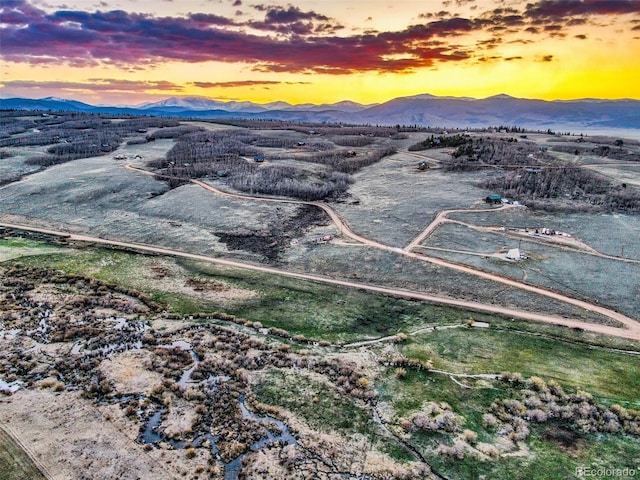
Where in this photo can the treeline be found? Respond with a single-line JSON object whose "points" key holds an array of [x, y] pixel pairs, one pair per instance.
{"points": [[566, 188], [223, 154], [613, 152], [314, 128], [77, 135], [441, 141], [90, 144], [481, 152], [353, 140], [35, 131], [348, 161]]}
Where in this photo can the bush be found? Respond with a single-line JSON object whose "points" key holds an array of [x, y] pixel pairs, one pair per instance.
{"points": [[470, 437], [364, 383], [537, 384], [436, 417], [457, 450], [489, 420], [400, 372]]}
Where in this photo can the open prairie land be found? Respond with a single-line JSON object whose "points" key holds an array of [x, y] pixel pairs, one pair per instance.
{"points": [[314, 380], [315, 301]]}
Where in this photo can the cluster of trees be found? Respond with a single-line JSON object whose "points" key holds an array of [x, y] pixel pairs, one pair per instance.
{"points": [[209, 148], [353, 140], [224, 154], [172, 132], [441, 141], [74, 135], [552, 188], [616, 152], [348, 161], [482, 152], [510, 129], [289, 182], [541, 402]]}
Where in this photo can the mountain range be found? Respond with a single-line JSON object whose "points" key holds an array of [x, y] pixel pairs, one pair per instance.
{"points": [[421, 110]]}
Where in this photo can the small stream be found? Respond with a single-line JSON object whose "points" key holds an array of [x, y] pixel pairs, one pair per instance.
{"points": [[416, 454], [284, 437], [279, 433]]}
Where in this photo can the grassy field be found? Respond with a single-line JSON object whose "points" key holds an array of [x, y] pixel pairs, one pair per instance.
{"points": [[391, 269], [629, 174], [21, 247], [15, 464], [544, 455], [306, 308], [14, 167], [397, 201], [611, 376], [336, 314], [609, 233], [573, 273]]}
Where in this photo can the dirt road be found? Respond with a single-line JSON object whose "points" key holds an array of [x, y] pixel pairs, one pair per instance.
{"points": [[419, 156], [340, 224], [631, 328], [628, 322], [557, 242], [441, 218]]}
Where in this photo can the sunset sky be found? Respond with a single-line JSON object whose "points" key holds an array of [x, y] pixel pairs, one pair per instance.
{"points": [[318, 51]]}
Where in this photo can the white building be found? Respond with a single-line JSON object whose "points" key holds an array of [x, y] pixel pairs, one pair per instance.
{"points": [[515, 254]]}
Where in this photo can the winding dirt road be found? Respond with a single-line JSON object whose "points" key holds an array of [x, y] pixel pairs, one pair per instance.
{"points": [[631, 328], [630, 325], [442, 218], [342, 226]]}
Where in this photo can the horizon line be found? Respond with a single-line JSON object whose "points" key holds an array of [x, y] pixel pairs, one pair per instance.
{"points": [[452, 97]]}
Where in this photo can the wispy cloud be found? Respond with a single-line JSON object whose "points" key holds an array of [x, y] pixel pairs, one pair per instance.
{"points": [[243, 83], [108, 85]]}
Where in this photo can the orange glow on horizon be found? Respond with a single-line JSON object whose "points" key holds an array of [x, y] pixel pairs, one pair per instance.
{"points": [[575, 56]]}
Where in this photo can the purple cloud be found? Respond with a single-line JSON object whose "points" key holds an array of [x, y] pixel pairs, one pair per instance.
{"points": [[131, 39], [97, 85], [299, 41], [560, 9]]}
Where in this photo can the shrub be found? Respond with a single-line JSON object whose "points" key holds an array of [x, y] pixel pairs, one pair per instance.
{"points": [[489, 450], [489, 420], [457, 450], [470, 437], [400, 337], [512, 377], [537, 384], [364, 383]]}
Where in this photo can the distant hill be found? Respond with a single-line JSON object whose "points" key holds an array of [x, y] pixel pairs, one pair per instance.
{"points": [[422, 110]]}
